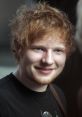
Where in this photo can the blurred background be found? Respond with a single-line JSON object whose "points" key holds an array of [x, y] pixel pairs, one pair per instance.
{"points": [[7, 10]]}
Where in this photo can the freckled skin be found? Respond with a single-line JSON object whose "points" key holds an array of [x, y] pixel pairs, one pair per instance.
{"points": [[43, 61]]}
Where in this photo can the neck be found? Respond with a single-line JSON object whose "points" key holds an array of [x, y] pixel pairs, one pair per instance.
{"points": [[29, 83]]}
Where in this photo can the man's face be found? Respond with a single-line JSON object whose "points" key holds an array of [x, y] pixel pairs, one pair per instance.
{"points": [[44, 60]]}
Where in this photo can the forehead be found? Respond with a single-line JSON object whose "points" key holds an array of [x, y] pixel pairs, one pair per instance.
{"points": [[50, 41], [52, 34]]}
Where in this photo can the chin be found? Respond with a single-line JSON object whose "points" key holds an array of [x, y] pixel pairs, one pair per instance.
{"points": [[43, 80]]}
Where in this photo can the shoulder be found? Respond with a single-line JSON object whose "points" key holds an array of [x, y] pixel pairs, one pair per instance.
{"points": [[79, 102], [79, 97], [59, 92], [60, 98], [3, 104], [6, 85], [5, 80]]}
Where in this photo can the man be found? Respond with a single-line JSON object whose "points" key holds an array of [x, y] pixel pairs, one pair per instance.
{"points": [[42, 40]]}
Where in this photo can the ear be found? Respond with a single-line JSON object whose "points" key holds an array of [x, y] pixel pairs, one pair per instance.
{"points": [[17, 49]]}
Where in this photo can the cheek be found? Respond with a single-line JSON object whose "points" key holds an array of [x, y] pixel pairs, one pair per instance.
{"points": [[61, 60], [32, 57]]}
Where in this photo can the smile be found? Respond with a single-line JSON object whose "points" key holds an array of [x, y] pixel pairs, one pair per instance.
{"points": [[45, 71]]}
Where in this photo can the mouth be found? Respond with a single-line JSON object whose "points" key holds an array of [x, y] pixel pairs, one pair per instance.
{"points": [[45, 71]]}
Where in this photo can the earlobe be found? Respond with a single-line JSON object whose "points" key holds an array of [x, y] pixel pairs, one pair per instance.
{"points": [[20, 53], [18, 49]]}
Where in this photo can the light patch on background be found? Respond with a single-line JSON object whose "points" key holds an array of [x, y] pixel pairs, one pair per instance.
{"points": [[78, 36]]}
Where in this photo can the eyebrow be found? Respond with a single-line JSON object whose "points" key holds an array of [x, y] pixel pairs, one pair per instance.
{"points": [[38, 46], [41, 46], [61, 47]]}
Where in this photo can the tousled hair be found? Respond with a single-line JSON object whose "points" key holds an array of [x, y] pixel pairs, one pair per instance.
{"points": [[32, 24]]}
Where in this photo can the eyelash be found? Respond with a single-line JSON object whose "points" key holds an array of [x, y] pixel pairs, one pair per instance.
{"points": [[39, 49], [57, 50]]}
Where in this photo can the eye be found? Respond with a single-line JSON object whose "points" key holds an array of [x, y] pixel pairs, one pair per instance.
{"points": [[59, 51], [38, 49]]}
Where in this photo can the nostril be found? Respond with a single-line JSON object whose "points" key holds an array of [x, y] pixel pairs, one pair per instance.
{"points": [[48, 61]]}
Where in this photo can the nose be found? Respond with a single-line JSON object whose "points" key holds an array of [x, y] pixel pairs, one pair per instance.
{"points": [[48, 58]]}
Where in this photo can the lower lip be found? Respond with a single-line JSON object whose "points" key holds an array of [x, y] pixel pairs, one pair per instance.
{"points": [[45, 72]]}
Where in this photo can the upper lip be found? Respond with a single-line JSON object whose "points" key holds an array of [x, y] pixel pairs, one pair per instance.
{"points": [[45, 68]]}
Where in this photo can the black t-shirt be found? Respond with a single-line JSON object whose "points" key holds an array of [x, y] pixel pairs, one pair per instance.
{"points": [[18, 101]]}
